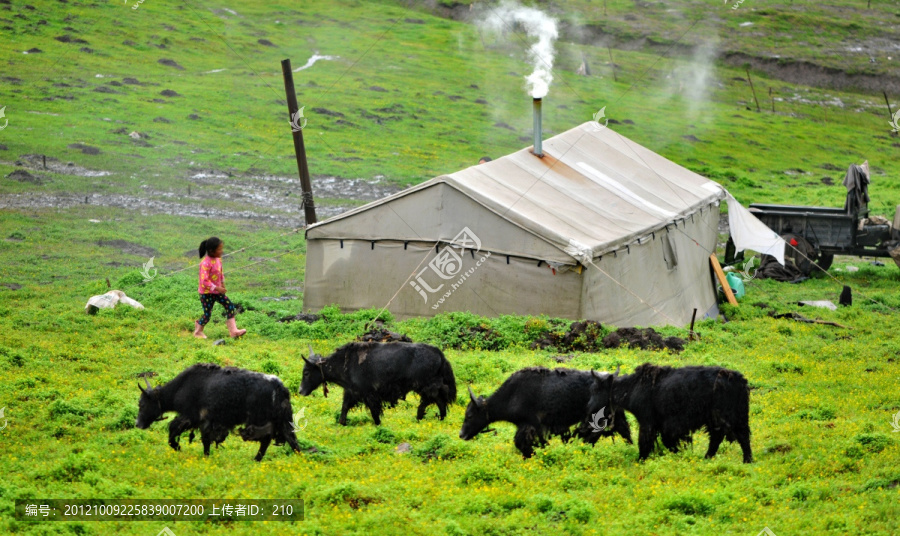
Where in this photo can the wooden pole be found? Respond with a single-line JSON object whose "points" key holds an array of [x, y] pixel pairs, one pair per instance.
{"points": [[309, 206], [753, 90], [717, 268], [771, 96]]}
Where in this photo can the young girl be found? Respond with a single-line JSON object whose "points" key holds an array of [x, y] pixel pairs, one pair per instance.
{"points": [[212, 287]]}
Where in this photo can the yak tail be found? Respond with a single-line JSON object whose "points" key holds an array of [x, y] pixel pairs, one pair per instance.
{"points": [[291, 437], [449, 380], [287, 421]]}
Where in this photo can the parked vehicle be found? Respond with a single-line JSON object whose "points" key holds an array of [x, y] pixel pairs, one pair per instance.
{"points": [[837, 231]]}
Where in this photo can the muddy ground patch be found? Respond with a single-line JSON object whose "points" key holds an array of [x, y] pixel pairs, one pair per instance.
{"points": [[266, 198]]}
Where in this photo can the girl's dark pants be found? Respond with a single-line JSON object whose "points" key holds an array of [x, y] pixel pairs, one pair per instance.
{"points": [[208, 300]]}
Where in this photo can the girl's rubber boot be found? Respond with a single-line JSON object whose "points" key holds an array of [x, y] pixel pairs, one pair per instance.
{"points": [[198, 331], [233, 330]]}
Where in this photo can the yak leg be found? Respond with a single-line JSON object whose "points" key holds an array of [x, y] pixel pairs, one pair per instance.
{"points": [[743, 438], [349, 402], [715, 439], [435, 393], [621, 426], [208, 434], [207, 441], [441, 398], [524, 440], [375, 409], [423, 405], [178, 426], [646, 441], [263, 445]]}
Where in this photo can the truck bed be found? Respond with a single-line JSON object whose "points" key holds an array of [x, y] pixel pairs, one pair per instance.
{"points": [[798, 210], [828, 229]]}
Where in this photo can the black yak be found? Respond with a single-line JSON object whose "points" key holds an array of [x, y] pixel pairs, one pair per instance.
{"points": [[543, 402], [675, 402], [378, 373], [216, 399]]}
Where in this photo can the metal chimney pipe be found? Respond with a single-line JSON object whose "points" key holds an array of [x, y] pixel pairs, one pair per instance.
{"points": [[538, 150]]}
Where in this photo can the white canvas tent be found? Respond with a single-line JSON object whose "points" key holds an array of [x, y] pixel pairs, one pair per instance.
{"points": [[600, 228]]}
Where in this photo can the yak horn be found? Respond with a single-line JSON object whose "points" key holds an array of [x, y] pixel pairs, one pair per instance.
{"points": [[311, 351], [149, 388], [618, 367], [472, 395]]}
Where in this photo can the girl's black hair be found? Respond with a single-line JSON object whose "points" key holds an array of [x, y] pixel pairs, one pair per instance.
{"points": [[209, 245]]}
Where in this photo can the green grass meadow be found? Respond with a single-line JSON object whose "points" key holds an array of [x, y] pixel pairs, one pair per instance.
{"points": [[826, 457], [411, 96]]}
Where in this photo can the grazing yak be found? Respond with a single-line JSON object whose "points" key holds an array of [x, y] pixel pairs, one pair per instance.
{"points": [[543, 402], [378, 373], [675, 402], [216, 399]]}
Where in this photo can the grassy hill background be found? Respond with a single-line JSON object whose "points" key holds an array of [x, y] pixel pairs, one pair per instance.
{"points": [[409, 96]]}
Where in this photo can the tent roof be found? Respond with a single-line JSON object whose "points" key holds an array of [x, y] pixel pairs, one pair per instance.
{"points": [[593, 189]]}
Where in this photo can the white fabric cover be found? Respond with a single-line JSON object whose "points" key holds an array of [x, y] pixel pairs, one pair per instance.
{"points": [[748, 232]]}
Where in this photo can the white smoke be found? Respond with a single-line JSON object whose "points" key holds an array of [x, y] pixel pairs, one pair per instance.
{"points": [[695, 78], [538, 25]]}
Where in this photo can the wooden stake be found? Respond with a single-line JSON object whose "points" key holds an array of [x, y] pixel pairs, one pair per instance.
{"points": [[693, 335], [773, 100], [717, 268], [753, 90]]}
